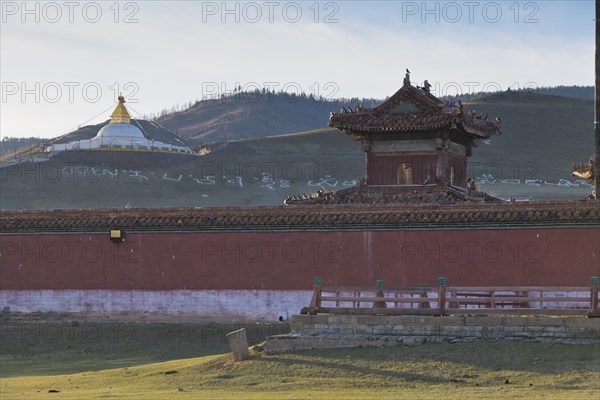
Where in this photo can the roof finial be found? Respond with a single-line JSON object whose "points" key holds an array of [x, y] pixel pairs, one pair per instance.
{"points": [[407, 78], [120, 114]]}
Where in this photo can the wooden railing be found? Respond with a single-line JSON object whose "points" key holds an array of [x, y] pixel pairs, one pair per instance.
{"points": [[455, 300]]}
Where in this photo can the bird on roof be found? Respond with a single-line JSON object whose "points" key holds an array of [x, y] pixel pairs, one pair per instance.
{"points": [[407, 71], [498, 119]]}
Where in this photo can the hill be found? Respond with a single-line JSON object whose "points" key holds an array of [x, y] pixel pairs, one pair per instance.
{"points": [[246, 172], [240, 116], [257, 114], [543, 136], [249, 115], [576, 92]]}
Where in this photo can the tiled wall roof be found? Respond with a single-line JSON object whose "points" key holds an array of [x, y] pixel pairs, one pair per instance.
{"points": [[301, 217]]}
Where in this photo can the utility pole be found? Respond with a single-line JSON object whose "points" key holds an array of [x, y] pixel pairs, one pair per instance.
{"points": [[596, 105]]}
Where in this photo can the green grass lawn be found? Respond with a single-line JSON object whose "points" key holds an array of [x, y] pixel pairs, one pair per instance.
{"points": [[153, 360]]}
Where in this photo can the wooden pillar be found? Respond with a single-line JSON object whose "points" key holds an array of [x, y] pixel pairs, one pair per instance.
{"points": [[315, 302], [424, 304], [442, 295], [380, 304], [594, 312], [452, 293]]}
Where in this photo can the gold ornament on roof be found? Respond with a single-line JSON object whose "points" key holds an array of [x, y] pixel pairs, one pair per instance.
{"points": [[120, 115]]}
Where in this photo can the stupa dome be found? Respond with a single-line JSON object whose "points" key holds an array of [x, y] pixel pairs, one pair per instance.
{"points": [[121, 134], [120, 131]]}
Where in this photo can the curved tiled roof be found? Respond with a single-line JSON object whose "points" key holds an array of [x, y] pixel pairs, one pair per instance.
{"points": [[431, 114], [398, 195], [586, 171]]}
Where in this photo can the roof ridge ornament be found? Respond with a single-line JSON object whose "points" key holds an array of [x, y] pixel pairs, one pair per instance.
{"points": [[407, 78], [427, 86]]}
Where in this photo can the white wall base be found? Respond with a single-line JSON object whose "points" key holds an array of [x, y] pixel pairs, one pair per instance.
{"points": [[216, 305]]}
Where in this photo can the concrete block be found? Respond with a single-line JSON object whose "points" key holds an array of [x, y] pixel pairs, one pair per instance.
{"points": [[238, 343]]}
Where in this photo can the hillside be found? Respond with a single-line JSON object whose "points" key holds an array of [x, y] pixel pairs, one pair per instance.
{"points": [[249, 115], [574, 92], [245, 172], [542, 138], [240, 116]]}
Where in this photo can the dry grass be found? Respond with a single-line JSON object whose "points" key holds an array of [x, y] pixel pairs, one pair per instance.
{"points": [[106, 369]]}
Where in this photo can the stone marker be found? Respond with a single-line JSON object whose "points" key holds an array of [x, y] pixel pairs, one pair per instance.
{"points": [[239, 344]]}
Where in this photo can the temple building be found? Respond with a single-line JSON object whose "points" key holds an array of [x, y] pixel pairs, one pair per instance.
{"points": [[121, 133], [416, 148], [411, 220]]}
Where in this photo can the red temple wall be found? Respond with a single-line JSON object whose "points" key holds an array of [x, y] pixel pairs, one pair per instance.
{"points": [[290, 260], [382, 167], [447, 161]]}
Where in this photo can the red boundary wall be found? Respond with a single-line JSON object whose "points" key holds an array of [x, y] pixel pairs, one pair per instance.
{"points": [[290, 260]]}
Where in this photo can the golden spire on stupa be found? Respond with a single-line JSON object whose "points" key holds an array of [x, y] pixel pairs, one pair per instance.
{"points": [[120, 115]]}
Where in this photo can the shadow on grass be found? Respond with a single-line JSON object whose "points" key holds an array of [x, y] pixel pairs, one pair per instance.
{"points": [[344, 367], [53, 348], [536, 358]]}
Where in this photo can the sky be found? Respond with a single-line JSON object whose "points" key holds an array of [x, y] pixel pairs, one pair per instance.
{"points": [[63, 63]]}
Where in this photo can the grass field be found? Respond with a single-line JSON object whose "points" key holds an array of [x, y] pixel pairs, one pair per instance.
{"points": [[152, 361]]}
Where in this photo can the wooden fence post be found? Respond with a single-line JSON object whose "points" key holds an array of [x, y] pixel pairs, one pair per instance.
{"points": [[442, 295], [452, 293], [594, 312], [315, 302], [424, 296], [380, 304]]}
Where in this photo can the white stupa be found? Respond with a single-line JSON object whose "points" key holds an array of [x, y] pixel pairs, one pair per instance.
{"points": [[120, 134]]}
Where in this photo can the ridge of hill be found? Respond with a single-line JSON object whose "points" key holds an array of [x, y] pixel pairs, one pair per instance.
{"points": [[576, 92], [247, 115], [572, 92], [256, 114]]}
